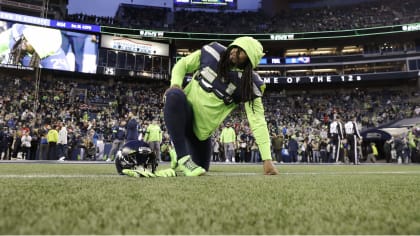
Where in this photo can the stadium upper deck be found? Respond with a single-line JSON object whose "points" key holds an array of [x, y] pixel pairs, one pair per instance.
{"points": [[352, 51]]}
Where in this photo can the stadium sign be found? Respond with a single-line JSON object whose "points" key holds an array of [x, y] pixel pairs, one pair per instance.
{"points": [[48, 23], [411, 27], [74, 26], [282, 36], [24, 19], [326, 79], [311, 79], [228, 4], [134, 45], [19, 67], [151, 33]]}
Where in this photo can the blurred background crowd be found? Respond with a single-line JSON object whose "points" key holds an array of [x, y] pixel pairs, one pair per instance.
{"points": [[92, 111]]}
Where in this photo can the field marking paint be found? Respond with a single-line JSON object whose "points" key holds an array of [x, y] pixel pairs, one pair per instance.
{"points": [[58, 176], [322, 173], [5, 176], [354, 173]]}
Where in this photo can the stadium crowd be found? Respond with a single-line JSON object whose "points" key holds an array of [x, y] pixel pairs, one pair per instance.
{"points": [[89, 117], [361, 15]]}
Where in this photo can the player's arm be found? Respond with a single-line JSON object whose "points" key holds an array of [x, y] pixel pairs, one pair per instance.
{"points": [[185, 65], [259, 128]]}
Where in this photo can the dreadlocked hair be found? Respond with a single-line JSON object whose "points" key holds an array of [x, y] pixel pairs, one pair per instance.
{"points": [[224, 67], [35, 59], [246, 82], [18, 53]]}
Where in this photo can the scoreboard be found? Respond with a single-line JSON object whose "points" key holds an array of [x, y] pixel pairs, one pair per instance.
{"points": [[229, 4]]}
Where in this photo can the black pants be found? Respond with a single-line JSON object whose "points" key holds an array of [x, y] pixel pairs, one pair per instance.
{"points": [[337, 153], [178, 116], [352, 149], [52, 151]]}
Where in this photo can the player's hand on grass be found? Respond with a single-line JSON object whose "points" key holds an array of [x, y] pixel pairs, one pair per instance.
{"points": [[145, 172], [269, 168], [140, 172], [165, 173]]}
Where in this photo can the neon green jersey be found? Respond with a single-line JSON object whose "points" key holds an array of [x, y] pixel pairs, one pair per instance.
{"points": [[228, 135], [153, 133], [209, 111]]}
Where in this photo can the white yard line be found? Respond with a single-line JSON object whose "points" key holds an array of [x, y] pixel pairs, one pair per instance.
{"points": [[57, 176], [322, 173], [22, 176]]}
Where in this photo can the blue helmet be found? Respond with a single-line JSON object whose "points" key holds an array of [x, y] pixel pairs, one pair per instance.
{"points": [[133, 154]]}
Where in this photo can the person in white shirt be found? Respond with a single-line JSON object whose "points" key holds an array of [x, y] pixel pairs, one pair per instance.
{"points": [[62, 143], [26, 145], [336, 134], [353, 138]]}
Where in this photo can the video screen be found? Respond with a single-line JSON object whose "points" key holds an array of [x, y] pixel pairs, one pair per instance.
{"points": [[135, 45], [298, 60], [35, 46], [229, 4]]}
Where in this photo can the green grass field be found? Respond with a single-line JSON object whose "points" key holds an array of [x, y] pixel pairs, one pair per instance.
{"points": [[231, 199]]}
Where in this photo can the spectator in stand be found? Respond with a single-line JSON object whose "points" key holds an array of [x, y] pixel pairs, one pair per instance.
{"points": [[216, 148], [3, 143], [17, 143], [401, 148], [72, 144], [118, 135], [43, 143], [323, 150], [304, 152], [255, 153], [277, 142], [62, 142], [52, 138], [100, 146], [165, 149], [412, 144], [387, 150], [316, 152], [245, 143], [228, 139], [9, 145], [132, 127], [251, 141], [26, 144], [293, 148], [34, 145], [372, 153], [154, 138]]}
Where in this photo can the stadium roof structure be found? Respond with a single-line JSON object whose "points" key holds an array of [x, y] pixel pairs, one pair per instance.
{"points": [[393, 129], [403, 123]]}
